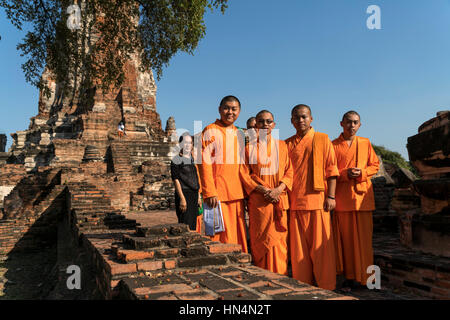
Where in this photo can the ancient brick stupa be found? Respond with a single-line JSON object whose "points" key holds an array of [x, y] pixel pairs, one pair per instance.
{"points": [[79, 141], [429, 152], [62, 129]]}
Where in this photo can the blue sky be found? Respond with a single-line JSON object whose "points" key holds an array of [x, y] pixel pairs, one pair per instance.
{"points": [[276, 54]]}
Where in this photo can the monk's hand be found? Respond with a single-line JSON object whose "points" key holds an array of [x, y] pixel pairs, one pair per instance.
{"points": [[262, 189], [353, 173], [329, 204], [183, 205], [199, 201], [273, 195], [212, 202]]}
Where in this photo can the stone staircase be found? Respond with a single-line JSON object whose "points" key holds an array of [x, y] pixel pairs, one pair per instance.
{"points": [[121, 158], [93, 211], [43, 204]]}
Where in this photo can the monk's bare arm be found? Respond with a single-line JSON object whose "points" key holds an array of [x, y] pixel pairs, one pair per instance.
{"points": [[330, 202]]}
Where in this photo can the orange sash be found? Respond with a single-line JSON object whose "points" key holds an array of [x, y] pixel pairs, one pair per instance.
{"points": [[319, 152], [361, 160]]}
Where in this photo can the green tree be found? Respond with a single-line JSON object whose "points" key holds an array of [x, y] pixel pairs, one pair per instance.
{"points": [[393, 157], [109, 33]]}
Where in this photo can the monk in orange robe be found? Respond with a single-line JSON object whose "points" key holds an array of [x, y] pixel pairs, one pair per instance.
{"points": [[352, 219], [222, 170], [311, 200], [271, 171]]}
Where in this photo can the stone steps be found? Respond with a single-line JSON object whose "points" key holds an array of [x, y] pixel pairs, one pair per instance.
{"points": [[174, 245], [93, 209], [121, 158], [47, 202]]}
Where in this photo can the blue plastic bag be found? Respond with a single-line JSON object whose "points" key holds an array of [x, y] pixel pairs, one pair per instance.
{"points": [[213, 219]]}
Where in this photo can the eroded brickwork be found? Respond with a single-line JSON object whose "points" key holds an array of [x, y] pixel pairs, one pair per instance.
{"points": [[170, 262]]}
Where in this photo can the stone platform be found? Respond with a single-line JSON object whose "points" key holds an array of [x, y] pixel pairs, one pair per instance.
{"points": [[167, 261]]}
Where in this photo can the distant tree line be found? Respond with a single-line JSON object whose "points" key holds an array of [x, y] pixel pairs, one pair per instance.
{"points": [[394, 158]]}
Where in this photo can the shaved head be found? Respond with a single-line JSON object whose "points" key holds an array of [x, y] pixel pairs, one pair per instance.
{"points": [[249, 121], [350, 113], [301, 106], [229, 99], [264, 111]]}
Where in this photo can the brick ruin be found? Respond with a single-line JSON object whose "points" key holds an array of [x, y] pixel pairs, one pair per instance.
{"points": [[75, 189], [69, 182], [413, 249]]}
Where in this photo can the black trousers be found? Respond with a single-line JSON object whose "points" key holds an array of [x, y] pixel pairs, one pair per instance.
{"points": [[188, 217]]}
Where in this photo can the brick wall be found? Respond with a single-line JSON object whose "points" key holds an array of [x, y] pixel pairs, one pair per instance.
{"points": [[425, 275], [36, 231]]}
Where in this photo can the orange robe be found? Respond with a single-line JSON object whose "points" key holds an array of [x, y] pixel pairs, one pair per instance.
{"points": [[221, 172], [310, 230], [352, 220], [267, 227], [200, 217]]}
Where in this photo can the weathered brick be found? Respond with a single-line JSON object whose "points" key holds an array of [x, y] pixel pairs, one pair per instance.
{"points": [[240, 258], [167, 253], [275, 291], [170, 264], [224, 248], [167, 297], [179, 229], [196, 295], [194, 251], [442, 284], [157, 230], [149, 265], [142, 243], [118, 268], [142, 291], [442, 275], [202, 261], [417, 285], [427, 273], [442, 293], [130, 255], [170, 288]]}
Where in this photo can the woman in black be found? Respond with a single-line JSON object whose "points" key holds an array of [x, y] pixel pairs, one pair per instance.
{"points": [[185, 179]]}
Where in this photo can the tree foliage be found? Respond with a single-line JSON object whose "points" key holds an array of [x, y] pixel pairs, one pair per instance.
{"points": [[393, 157], [110, 33]]}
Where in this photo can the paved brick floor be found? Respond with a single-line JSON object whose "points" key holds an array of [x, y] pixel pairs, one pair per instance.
{"points": [[14, 285], [385, 293]]}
